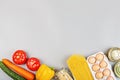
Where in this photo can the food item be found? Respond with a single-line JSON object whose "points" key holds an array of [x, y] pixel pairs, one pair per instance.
{"points": [[101, 69], [92, 60], [114, 54], [96, 67], [63, 75], [110, 78], [99, 56], [106, 72], [21, 71], [103, 64], [99, 75], [117, 69], [79, 67], [19, 57], [9, 72], [33, 63], [44, 73]]}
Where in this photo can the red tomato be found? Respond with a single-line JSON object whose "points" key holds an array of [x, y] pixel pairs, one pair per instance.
{"points": [[19, 57], [33, 63]]}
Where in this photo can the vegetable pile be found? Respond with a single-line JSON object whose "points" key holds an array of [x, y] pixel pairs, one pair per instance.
{"points": [[21, 71], [17, 72], [78, 67], [9, 72]]}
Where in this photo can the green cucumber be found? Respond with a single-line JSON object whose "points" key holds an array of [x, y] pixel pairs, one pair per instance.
{"points": [[10, 73]]}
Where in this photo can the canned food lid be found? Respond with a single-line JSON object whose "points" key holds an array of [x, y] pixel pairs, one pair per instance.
{"points": [[117, 69], [114, 54]]}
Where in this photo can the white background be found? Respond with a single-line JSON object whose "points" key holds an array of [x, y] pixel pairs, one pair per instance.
{"points": [[52, 30]]}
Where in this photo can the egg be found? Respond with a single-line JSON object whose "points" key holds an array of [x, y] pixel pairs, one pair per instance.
{"points": [[103, 64], [91, 60], [110, 78], [99, 75], [106, 72], [95, 67], [100, 67], [99, 56]]}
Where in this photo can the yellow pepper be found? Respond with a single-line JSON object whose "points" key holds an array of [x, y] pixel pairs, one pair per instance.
{"points": [[44, 73]]}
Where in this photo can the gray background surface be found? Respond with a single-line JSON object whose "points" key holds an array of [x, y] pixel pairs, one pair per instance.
{"points": [[52, 30]]}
